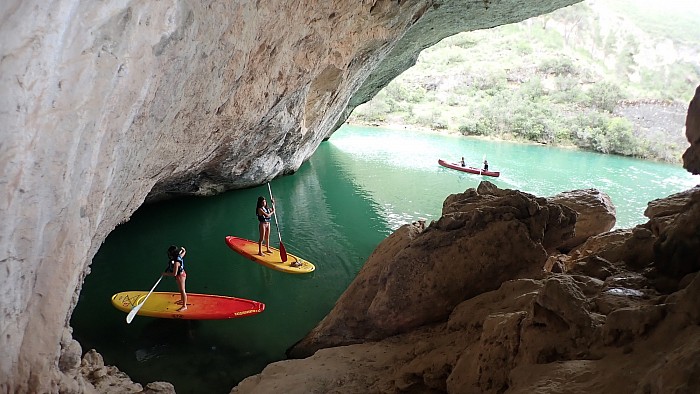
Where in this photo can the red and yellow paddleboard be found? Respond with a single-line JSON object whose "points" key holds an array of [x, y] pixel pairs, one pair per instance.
{"points": [[199, 306], [249, 249]]}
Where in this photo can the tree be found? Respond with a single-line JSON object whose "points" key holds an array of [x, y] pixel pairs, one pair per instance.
{"points": [[573, 18]]}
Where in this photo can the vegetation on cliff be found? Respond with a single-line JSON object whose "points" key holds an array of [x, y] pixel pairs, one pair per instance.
{"points": [[610, 78]]}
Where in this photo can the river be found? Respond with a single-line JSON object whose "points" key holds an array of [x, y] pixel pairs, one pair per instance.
{"points": [[357, 188]]}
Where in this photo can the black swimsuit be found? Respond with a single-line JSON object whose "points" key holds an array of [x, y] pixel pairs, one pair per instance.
{"points": [[171, 266], [263, 218]]}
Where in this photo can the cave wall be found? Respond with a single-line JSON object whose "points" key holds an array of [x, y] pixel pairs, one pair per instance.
{"points": [[691, 157], [106, 104]]}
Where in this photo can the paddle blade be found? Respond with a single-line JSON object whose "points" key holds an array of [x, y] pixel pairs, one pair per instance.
{"points": [[283, 252], [136, 309], [133, 313]]}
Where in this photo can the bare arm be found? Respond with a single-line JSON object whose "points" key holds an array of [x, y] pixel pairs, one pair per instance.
{"points": [[175, 269], [261, 212]]}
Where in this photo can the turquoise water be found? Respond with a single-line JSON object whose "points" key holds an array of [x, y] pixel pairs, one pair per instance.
{"points": [[355, 190]]}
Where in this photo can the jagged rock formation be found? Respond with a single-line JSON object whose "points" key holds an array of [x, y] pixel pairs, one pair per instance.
{"points": [[105, 103], [484, 237], [89, 374], [109, 380], [622, 317], [691, 157]]}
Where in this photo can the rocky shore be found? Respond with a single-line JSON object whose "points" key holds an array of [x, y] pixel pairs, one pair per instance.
{"points": [[505, 292], [500, 295]]}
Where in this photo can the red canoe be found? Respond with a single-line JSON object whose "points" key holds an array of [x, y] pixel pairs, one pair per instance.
{"points": [[472, 170]]}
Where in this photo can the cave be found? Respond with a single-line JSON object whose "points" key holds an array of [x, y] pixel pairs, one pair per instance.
{"points": [[109, 106]]}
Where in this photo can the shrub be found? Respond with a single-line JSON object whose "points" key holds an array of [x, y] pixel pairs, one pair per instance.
{"points": [[585, 127], [567, 91], [480, 127], [372, 111], [490, 83], [402, 91], [604, 96], [620, 138], [532, 122], [439, 125], [462, 40], [557, 66], [532, 89], [523, 48]]}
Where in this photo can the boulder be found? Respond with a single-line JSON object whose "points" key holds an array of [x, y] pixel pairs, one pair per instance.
{"points": [[416, 277], [675, 250], [633, 247], [595, 214], [671, 205]]}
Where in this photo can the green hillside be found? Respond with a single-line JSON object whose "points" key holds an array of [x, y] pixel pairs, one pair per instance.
{"points": [[676, 20], [563, 78]]}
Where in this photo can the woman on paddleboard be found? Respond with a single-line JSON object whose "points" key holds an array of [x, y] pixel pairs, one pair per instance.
{"points": [[264, 214], [176, 268]]}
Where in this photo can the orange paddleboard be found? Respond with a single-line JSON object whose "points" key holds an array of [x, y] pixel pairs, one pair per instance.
{"points": [[249, 249], [199, 306]]}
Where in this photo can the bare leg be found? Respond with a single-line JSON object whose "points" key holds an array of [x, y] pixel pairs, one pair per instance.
{"points": [[267, 237], [183, 294], [261, 228]]}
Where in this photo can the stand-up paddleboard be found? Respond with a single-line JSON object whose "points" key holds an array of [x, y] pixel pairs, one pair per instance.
{"points": [[199, 306], [249, 249]]}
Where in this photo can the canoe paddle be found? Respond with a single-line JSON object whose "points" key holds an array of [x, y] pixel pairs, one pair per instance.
{"points": [[283, 251], [135, 310]]}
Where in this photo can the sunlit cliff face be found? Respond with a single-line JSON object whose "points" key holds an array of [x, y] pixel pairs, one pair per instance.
{"points": [[105, 104]]}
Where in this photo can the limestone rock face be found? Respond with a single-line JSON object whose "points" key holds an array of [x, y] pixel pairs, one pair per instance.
{"points": [[596, 214], [106, 104], [670, 205], [602, 326], [91, 375], [677, 245], [104, 379], [662, 212], [415, 277], [691, 157]]}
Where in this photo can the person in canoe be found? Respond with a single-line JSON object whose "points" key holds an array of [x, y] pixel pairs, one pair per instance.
{"points": [[264, 214], [486, 165], [176, 269], [462, 162]]}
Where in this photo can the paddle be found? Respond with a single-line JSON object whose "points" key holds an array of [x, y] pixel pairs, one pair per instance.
{"points": [[135, 310], [283, 251]]}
